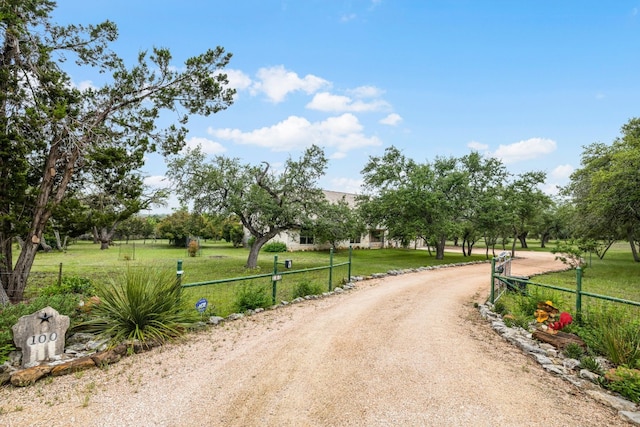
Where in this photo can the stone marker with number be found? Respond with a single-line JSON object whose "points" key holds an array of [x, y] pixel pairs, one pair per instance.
{"points": [[40, 336]]}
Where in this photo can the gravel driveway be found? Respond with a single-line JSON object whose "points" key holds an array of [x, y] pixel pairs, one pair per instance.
{"points": [[407, 350]]}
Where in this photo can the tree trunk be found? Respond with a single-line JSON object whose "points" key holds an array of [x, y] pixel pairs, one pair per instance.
{"points": [[440, 248], [56, 233], [632, 242], [18, 277], [522, 237], [513, 246], [544, 240], [106, 235], [252, 260]]}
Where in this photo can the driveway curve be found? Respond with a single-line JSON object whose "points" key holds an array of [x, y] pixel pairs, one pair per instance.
{"points": [[407, 350]]}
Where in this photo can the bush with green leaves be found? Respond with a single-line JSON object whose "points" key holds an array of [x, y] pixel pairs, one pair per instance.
{"points": [[145, 305], [304, 288], [70, 285], [64, 303], [275, 247], [591, 364], [250, 296], [573, 351], [625, 381]]}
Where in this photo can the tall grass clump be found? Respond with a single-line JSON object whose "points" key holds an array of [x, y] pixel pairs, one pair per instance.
{"points": [[141, 304], [306, 287], [613, 333], [250, 296]]}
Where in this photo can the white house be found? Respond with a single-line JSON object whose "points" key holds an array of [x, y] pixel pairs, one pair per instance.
{"points": [[298, 240]]}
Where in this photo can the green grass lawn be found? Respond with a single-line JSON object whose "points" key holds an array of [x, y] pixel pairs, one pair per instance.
{"points": [[617, 275], [219, 260]]}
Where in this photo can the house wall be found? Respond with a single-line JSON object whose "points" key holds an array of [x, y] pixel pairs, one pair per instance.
{"points": [[372, 239]]}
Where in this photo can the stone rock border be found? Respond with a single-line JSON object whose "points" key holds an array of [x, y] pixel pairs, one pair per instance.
{"points": [[84, 352], [555, 362]]}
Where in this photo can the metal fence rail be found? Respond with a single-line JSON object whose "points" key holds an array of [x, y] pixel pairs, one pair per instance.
{"points": [[521, 283], [221, 296]]}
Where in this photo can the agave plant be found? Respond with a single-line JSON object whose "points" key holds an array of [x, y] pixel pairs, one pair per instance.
{"points": [[146, 305]]}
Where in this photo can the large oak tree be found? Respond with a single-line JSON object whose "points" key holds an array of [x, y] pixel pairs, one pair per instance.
{"points": [[266, 201], [48, 126]]}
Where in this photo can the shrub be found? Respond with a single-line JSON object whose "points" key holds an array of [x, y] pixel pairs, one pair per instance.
{"points": [[251, 296], [625, 381], [305, 288], [275, 247], [573, 351], [193, 248], [142, 304], [569, 254], [591, 364], [70, 285]]}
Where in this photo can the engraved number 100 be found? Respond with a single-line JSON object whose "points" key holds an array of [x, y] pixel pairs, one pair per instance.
{"points": [[43, 338]]}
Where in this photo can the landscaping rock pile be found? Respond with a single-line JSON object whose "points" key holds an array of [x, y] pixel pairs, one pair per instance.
{"points": [[555, 362]]}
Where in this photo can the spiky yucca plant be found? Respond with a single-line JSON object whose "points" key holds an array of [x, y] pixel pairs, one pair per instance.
{"points": [[143, 304]]}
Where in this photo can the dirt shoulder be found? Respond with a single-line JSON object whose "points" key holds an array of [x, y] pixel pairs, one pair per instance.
{"points": [[403, 350]]}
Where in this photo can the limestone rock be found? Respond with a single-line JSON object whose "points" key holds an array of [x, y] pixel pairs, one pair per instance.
{"points": [[615, 402]]}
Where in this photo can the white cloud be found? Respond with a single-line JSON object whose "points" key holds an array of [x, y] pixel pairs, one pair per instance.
{"points": [[551, 189], [238, 80], [562, 172], [525, 150], [477, 146], [83, 85], [366, 92], [346, 185], [342, 133], [324, 101], [600, 95], [276, 83], [392, 119], [157, 181], [208, 146]]}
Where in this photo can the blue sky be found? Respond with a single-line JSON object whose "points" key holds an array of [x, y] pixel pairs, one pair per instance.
{"points": [[530, 82]]}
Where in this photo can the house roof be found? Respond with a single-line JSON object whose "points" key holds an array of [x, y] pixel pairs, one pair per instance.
{"points": [[335, 196]]}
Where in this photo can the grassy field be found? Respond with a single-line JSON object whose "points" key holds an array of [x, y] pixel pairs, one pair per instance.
{"points": [[617, 275], [219, 260]]}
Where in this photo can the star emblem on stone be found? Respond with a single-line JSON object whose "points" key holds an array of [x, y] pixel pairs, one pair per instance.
{"points": [[44, 317]]}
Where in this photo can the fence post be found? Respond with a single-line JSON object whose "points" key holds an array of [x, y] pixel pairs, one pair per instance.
{"points": [[330, 269], [60, 275], [274, 282], [578, 291], [349, 270], [493, 271], [179, 272]]}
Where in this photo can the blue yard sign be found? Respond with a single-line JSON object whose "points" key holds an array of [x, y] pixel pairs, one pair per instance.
{"points": [[201, 305]]}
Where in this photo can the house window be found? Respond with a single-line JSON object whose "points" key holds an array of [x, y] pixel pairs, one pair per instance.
{"points": [[306, 238], [376, 236], [356, 240]]}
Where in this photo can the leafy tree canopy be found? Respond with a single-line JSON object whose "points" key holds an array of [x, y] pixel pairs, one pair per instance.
{"points": [[266, 202], [49, 127]]}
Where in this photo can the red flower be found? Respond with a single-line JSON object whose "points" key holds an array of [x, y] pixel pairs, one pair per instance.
{"points": [[565, 319]]}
